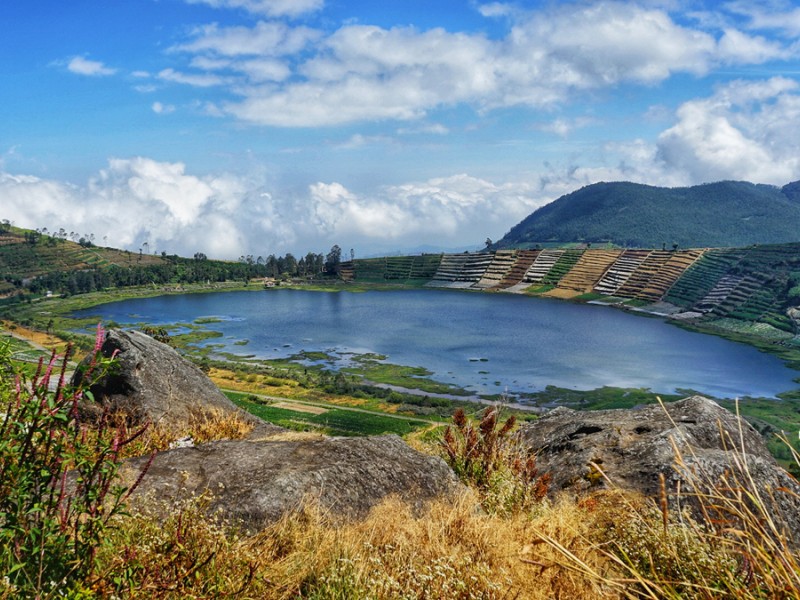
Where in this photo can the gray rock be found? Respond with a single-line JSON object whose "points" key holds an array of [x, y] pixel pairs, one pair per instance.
{"points": [[151, 382], [633, 447], [255, 482]]}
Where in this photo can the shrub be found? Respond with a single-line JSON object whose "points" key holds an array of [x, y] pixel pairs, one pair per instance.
{"points": [[57, 490], [489, 458]]}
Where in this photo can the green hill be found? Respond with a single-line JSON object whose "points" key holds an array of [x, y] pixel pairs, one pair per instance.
{"points": [[723, 214]]}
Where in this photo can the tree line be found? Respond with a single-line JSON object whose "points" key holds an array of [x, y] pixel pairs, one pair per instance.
{"points": [[176, 270]]}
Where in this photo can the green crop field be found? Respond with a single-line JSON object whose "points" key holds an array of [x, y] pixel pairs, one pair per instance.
{"points": [[334, 421]]}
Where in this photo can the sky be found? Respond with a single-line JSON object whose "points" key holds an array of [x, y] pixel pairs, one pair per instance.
{"points": [[257, 127]]}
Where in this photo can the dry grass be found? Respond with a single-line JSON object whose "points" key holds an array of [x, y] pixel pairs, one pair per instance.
{"points": [[206, 425], [607, 545], [727, 536], [453, 550], [39, 338]]}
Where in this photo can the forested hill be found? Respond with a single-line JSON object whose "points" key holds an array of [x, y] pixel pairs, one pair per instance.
{"points": [[723, 214]]}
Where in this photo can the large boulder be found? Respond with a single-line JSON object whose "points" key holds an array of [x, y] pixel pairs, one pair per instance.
{"points": [[150, 382], [692, 443], [255, 482]]}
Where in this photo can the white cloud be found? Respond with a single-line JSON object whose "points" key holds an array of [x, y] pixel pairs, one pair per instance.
{"points": [[257, 70], [736, 47], [92, 68], [369, 73], [450, 211], [778, 16], [138, 200], [271, 8], [564, 127], [496, 9], [162, 109], [201, 80], [746, 130], [264, 39]]}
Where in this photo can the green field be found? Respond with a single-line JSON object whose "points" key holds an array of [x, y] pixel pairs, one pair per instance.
{"points": [[335, 421]]}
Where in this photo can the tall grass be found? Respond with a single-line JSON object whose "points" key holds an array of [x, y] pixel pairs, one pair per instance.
{"points": [[488, 457], [721, 535]]}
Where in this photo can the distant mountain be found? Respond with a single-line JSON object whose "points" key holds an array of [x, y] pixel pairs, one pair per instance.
{"points": [[727, 213]]}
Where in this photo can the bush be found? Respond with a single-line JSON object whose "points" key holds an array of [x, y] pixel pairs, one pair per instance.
{"points": [[57, 490], [497, 464]]}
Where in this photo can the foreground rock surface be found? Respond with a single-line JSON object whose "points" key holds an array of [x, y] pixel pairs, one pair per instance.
{"points": [[150, 381], [633, 447], [256, 482]]}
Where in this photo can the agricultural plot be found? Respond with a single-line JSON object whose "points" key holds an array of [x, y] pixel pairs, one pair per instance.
{"points": [[461, 270], [501, 264], [562, 266], [516, 274], [332, 421], [588, 270], [619, 272]]}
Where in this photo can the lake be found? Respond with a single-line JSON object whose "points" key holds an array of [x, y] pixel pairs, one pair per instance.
{"points": [[487, 343]]}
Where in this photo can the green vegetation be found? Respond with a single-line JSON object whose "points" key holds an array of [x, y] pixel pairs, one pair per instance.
{"points": [[58, 488], [408, 269], [331, 420], [489, 458], [595, 546], [562, 266], [724, 214], [38, 262]]}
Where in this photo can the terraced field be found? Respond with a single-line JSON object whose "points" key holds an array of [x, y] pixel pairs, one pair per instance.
{"points": [[619, 272], [497, 270], [589, 270], [516, 274], [461, 270]]}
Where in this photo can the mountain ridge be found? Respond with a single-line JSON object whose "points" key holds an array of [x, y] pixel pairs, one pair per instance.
{"points": [[627, 214]]}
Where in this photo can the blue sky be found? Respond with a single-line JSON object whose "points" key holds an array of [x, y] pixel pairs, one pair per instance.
{"points": [[238, 127]]}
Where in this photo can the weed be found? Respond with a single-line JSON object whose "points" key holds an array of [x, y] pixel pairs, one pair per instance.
{"points": [[57, 490], [489, 458]]}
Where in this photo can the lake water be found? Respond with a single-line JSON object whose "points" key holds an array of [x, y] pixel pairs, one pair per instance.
{"points": [[483, 342]]}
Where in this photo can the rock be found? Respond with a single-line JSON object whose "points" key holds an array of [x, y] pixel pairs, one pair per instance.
{"points": [[150, 381], [256, 482], [633, 447]]}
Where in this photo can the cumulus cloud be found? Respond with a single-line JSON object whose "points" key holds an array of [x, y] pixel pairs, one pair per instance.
{"points": [[272, 8], [138, 200], [301, 77], [456, 210], [746, 130], [133, 201], [92, 68]]}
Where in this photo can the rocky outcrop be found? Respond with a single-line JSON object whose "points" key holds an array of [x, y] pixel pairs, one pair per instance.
{"points": [[255, 482], [150, 381], [631, 448]]}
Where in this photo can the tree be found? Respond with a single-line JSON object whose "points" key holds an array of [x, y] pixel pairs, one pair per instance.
{"points": [[333, 261], [290, 264]]}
